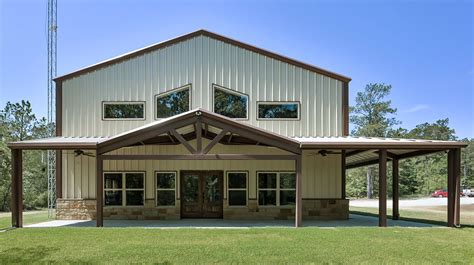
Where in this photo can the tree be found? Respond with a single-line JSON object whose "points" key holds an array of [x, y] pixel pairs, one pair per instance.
{"points": [[423, 175], [467, 164], [373, 116], [18, 123]]}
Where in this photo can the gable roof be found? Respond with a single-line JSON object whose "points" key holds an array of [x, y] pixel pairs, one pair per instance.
{"points": [[209, 34]]}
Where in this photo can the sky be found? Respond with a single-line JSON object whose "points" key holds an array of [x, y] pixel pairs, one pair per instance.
{"points": [[423, 48]]}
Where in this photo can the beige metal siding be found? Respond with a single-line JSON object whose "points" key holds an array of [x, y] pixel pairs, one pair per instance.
{"points": [[321, 175], [202, 61]]}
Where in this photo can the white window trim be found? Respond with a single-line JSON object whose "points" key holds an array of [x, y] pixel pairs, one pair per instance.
{"points": [[123, 103], [230, 91], [170, 189], [166, 93], [238, 189], [124, 188], [279, 103], [277, 189]]}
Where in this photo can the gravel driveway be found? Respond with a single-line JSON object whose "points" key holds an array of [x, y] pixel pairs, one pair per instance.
{"points": [[410, 203]]}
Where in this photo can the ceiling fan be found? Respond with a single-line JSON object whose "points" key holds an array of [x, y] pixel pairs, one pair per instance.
{"points": [[78, 152], [324, 152]]}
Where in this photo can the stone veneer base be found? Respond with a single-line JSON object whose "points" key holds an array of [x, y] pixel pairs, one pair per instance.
{"points": [[313, 209]]}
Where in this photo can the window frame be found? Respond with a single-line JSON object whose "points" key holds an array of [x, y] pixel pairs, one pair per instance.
{"points": [[123, 103], [246, 189], [298, 103], [230, 91], [277, 189], [124, 188], [156, 189], [178, 89]]}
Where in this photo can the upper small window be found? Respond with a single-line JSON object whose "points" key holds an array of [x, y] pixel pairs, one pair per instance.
{"points": [[278, 110], [123, 110], [173, 102], [230, 103]]}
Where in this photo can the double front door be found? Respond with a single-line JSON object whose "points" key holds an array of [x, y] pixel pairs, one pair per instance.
{"points": [[201, 194]]}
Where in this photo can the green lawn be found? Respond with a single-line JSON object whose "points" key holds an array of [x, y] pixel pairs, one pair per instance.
{"points": [[258, 245], [28, 218]]}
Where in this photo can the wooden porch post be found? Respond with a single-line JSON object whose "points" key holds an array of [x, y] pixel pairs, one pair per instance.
{"points": [[299, 205], [382, 187], [450, 188], [457, 186], [343, 174], [17, 188], [395, 190], [100, 191]]}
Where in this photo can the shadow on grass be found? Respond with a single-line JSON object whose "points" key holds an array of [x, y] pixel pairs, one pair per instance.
{"points": [[410, 219], [26, 255]]}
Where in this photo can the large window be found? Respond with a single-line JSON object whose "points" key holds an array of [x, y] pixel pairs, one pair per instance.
{"points": [[276, 188], [124, 189], [165, 188], [278, 110], [123, 110], [230, 103], [237, 188], [173, 102]]}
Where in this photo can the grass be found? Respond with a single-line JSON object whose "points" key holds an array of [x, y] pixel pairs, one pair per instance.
{"points": [[28, 218], [259, 245], [434, 214]]}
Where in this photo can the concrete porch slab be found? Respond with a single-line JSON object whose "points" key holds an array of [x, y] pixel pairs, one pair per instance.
{"points": [[353, 221]]}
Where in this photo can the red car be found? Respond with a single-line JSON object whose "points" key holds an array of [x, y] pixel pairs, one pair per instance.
{"points": [[440, 193]]}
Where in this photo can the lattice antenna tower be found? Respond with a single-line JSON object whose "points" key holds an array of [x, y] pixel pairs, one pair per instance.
{"points": [[52, 27]]}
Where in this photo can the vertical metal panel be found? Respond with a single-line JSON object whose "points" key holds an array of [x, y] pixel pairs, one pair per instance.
{"points": [[202, 61], [321, 175]]}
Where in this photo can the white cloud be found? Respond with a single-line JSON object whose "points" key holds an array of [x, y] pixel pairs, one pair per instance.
{"points": [[417, 108]]}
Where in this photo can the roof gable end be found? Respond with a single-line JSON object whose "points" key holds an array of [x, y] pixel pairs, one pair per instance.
{"points": [[209, 34]]}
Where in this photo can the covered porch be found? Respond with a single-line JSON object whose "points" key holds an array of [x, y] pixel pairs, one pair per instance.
{"points": [[199, 131]]}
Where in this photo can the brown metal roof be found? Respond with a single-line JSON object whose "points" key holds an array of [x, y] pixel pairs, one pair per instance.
{"points": [[210, 35]]}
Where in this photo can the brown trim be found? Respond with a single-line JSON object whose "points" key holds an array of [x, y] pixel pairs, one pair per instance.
{"points": [[343, 174], [200, 157], [395, 190], [17, 188], [345, 108], [379, 145], [51, 146], [210, 35], [214, 141], [457, 187], [183, 141], [383, 188], [99, 190], [299, 203]]}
